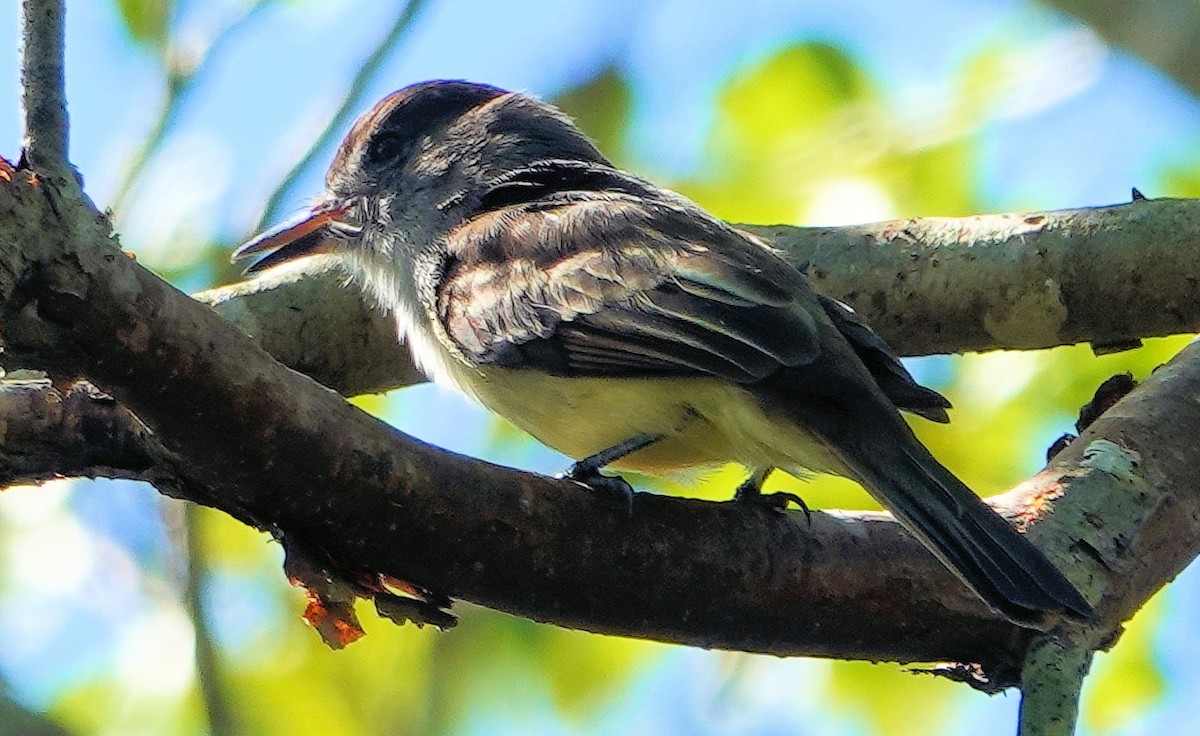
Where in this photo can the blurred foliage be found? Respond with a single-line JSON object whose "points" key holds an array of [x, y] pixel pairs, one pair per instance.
{"points": [[1125, 681], [601, 107], [886, 698], [15, 720], [1181, 179], [802, 135], [146, 21]]}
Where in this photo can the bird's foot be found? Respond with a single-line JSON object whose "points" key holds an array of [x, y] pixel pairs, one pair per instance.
{"points": [[587, 471], [611, 487], [750, 492]]}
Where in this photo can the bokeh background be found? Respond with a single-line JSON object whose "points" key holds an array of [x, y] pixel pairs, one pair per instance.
{"points": [[197, 120]]}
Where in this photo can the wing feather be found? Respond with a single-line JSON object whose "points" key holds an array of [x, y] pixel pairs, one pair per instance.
{"points": [[615, 283]]}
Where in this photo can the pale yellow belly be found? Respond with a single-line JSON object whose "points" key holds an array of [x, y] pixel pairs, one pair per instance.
{"points": [[704, 422]]}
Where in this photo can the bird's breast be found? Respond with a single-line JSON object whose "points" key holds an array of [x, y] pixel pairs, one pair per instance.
{"points": [[703, 422], [581, 416]]}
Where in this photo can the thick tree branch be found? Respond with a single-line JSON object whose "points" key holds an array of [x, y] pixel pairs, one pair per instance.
{"points": [[1105, 275], [311, 322], [46, 434], [270, 446]]}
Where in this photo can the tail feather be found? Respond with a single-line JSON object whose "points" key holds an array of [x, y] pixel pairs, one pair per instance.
{"points": [[991, 557]]}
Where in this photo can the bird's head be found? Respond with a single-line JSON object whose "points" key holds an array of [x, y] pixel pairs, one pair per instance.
{"points": [[417, 164]]}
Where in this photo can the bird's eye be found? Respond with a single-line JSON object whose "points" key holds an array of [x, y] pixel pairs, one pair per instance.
{"points": [[386, 149]]}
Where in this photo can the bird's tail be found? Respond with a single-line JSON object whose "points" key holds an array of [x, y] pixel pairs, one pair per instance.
{"points": [[991, 557]]}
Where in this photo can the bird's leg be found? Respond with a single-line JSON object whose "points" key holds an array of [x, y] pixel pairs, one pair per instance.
{"points": [[587, 470], [750, 491]]}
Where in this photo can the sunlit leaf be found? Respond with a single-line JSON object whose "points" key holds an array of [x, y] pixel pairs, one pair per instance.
{"points": [[792, 94], [1181, 180], [584, 670], [573, 672], [782, 128], [226, 542], [983, 74], [115, 705], [380, 686], [504, 434]]}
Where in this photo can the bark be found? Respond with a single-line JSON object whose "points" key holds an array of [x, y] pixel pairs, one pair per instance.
{"points": [[273, 448], [46, 433], [1050, 684], [43, 92]]}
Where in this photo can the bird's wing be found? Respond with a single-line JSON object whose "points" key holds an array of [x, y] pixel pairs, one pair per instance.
{"points": [[889, 373], [615, 284]]}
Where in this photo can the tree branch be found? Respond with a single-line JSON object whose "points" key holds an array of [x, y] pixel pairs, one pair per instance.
{"points": [[1120, 510], [43, 95], [83, 433], [311, 322], [16, 720], [1013, 281], [1051, 681], [927, 285]]}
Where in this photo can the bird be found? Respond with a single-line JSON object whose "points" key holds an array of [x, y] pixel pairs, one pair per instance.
{"points": [[623, 325]]}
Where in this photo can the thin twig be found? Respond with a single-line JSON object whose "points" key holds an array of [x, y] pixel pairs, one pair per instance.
{"points": [[180, 81], [43, 94], [221, 719], [358, 87]]}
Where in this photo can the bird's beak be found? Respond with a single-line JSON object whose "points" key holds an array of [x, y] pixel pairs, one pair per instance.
{"points": [[317, 231]]}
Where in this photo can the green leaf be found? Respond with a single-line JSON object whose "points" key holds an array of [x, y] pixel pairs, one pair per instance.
{"points": [[792, 94], [146, 21]]}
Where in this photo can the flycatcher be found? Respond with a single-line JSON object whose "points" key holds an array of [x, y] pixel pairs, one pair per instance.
{"points": [[623, 325]]}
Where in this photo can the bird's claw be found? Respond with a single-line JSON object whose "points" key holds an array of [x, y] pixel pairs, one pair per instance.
{"points": [[777, 501], [612, 487]]}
